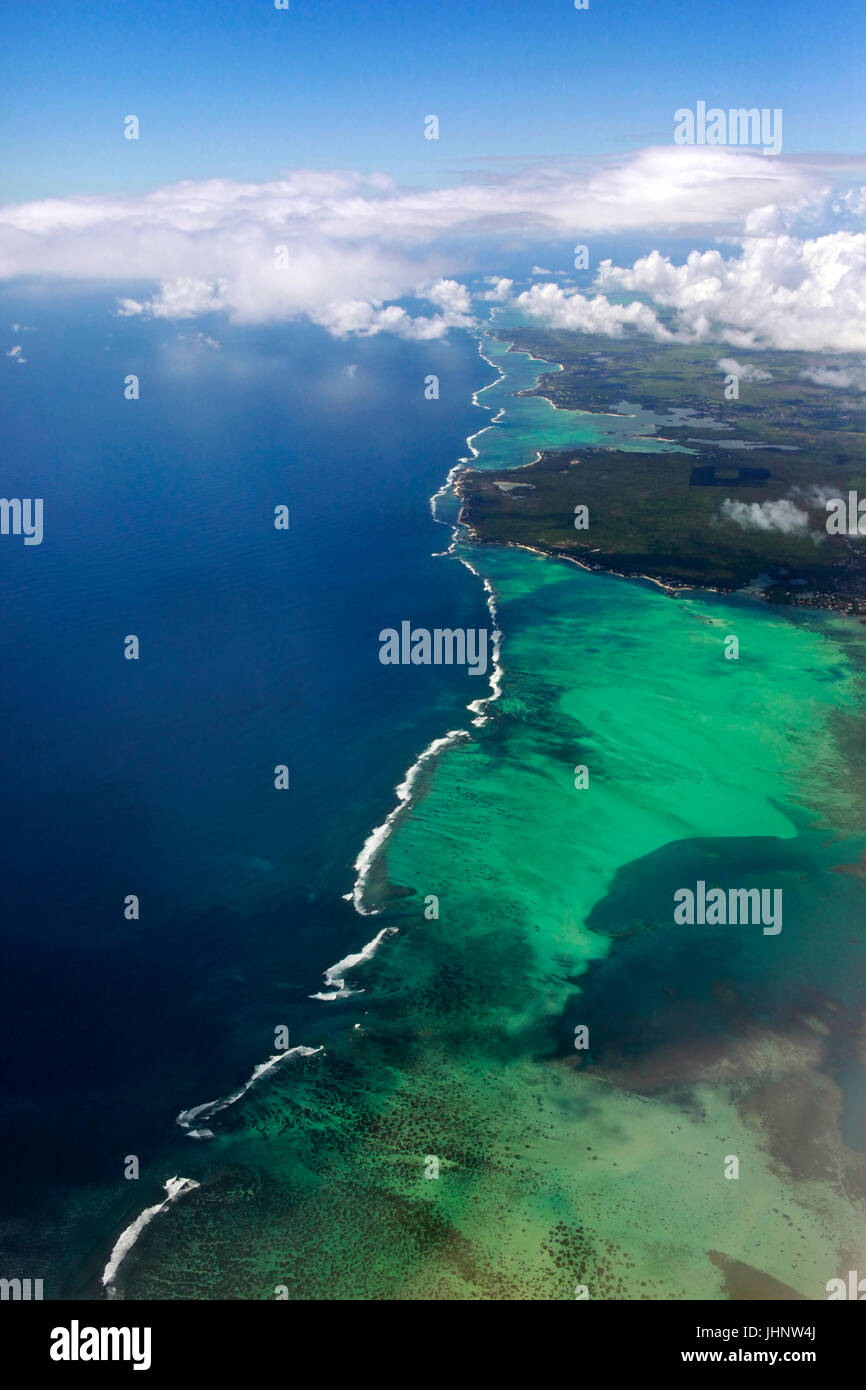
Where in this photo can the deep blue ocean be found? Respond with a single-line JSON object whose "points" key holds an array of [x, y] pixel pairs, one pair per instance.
{"points": [[155, 777]]}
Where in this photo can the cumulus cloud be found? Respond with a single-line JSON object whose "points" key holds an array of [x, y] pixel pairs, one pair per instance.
{"points": [[744, 370], [184, 298], [451, 297], [357, 317], [341, 247], [501, 288], [779, 292], [16, 352], [782, 515], [845, 378], [189, 298], [558, 308]]}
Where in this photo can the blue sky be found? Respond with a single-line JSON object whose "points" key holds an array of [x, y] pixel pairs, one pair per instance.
{"points": [[235, 89]]}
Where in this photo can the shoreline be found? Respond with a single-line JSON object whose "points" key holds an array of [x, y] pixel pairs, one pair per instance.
{"points": [[407, 791], [380, 835], [334, 975], [676, 588], [844, 608]]}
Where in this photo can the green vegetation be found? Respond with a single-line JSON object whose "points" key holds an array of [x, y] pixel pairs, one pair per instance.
{"points": [[662, 514]]}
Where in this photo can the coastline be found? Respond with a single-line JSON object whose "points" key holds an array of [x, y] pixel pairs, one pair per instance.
{"points": [[822, 601], [334, 975], [596, 1200], [379, 836], [675, 588]]}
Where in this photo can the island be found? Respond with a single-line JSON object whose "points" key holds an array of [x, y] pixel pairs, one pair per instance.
{"points": [[730, 492]]}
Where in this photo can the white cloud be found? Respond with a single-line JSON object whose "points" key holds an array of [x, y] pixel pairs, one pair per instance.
{"points": [[356, 243], [501, 290], [818, 495], [744, 370], [780, 515], [357, 317], [185, 298], [853, 202], [200, 340], [16, 352], [779, 292], [846, 378], [558, 308]]}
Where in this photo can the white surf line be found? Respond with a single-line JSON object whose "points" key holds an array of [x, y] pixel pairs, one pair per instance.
{"points": [[458, 467], [188, 1119], [334, 975], [175, 1187], [377, 838], [478, 707], [447, 487], [473, 452], [374, 841]]}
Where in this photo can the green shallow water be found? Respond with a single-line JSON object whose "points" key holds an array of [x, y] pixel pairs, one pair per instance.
{"points": [[602, 1168], [531, 423]]}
